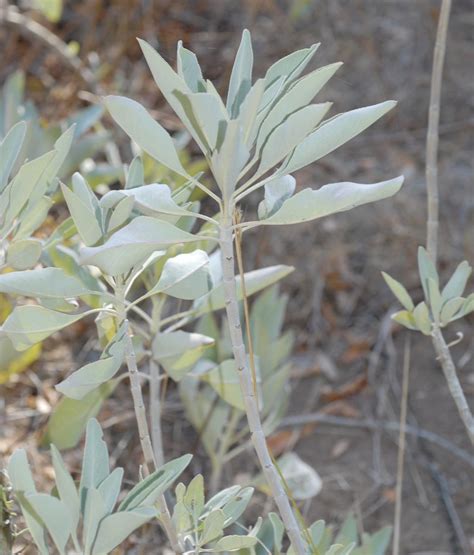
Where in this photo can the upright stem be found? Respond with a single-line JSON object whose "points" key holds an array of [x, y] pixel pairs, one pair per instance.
{"points": [[155, 412], [247, 386], [449, 370], [433, 135], [441, 348], [142, 423]]}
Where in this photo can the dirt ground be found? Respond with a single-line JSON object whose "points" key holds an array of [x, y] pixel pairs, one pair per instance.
{"points": [[348, 359]]}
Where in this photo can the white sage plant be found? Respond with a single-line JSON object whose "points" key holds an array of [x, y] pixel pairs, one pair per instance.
{"points": [[261, 126]]}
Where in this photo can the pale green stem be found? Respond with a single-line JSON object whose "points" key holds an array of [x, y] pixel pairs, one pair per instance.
{"points": [[247, 386]]}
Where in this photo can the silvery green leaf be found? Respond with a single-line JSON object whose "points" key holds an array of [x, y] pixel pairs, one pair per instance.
{"points": [[230, 160], [284, 138], [376, 544], [32, 216], [89, 377], [311, 204], [189, 69], [68, 421], [135, 174], [457, 282], [303, 481], [399, 291], [95, 461], [255, 281], [146, 492], [234, 509], [133, 243], [434, 300], [467, 308], [249, 108], [235, 543], [115, 528], [270, 97], [241, 76], [177, 351], [276, 192], [109, 489], [86, 118], [24, 253], [55, 516], [9, 151], [278, 530], [299, 95], [334, 133], [450, 308], [66, 487], [185, 276], [211, 117], [291, 65], [15, 196], [21, 479], [52, 283], [30, 324], [94, 511], [422, 318], [120, 213], [61, 149], [213, 527], [145, 131], [152, 200], [169, 83], [348, 532], [426, 269], [82, 189], [405, 318], [193, 498], [84, 217]]}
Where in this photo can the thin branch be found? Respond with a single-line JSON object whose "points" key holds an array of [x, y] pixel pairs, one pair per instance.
{"points": [[155, 412], [432, 138]]}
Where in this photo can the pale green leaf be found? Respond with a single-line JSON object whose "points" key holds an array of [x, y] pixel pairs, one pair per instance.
{"points": [[109, 489], [249, 109], [450, 309], [115, 528], [133, 243], [189, 69], [434, 300], [9, 151], [210, 117], [32, 216], [276, 192], [24, 253], [194, 497], [405, 318], [66, 487], [178, 351], [291, 65], [47, 283], [145, 131], [426, 269], [422, 318], [334, 133], [213, 527], [457, 282], [311, 204], [399, 291], [83, 216], [121, 213], [146, 492], [235, 543], [30, 324], [94, 510], [241, 76], [135, 174]]}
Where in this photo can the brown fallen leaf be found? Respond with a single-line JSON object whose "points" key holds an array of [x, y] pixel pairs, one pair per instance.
{"points": [[349, 389]]}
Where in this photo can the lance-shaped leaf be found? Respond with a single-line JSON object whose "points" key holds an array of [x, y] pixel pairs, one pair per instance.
{"points": [[9, 151], [255, 281], [89, 377], [66, 487], [133, 243], [55, 516], [310, 204], [427, 270], [299, 95], [95, 462], [178, 351], [185, 276], [22, 481], [152, 200], [450, 309], [241, 76], [47, 283], [120, 213], [189, 69], [210, 117], [146, 492], [145, 131], [30, 324], [115, 528], [334, 133], [235, 543], [213, 527], [33, 215], [291, 65], [421, 314], [248, 110], [110, 489], [135, 174], [399, 291], [24, 253], [289, 134], [457, 282], [84, 217], [230, 160], [171, 86]]}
